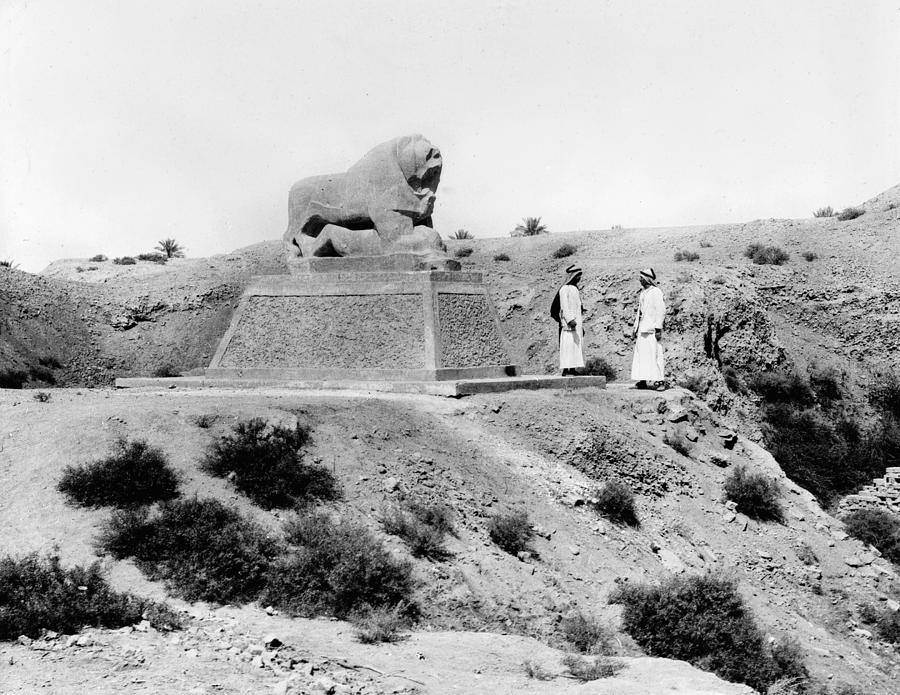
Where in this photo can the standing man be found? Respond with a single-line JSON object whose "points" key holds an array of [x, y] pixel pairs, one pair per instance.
{"points": [[648, 366], [566, 310]]}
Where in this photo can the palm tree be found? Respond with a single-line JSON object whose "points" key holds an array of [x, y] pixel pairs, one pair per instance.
{"points": [[462, 234], [171, 248], [532, 227]]}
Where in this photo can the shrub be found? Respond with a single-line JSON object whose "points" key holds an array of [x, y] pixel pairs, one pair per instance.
{"points": [[6, 263], [464, 252], [703, 620], [827, 211], [886, 622], [809, 256], [686, 255], [536, 671], [755, 494], [695, 383], [565, 251], [202, 549], [336, 568], [204, 421], [766, 255], [826, 384], [591, 669], [885, 395], [50, 361], [124, 260], [134, 474], [37, 593], [99, 258], [265, 463], [171, 248], [781, 387], [501, 257], [166, 371], [615, 501], [718, 280], [806, 554], [705, 244], [850, 214], [462, 234], [511, 531], [679, 442], [37, 372], [599, 366], [586, 635], [12, 378], [732, 380], [379, 625], [531, 226], [422, 527], [42, 397], [878, 528], [153, 257]]}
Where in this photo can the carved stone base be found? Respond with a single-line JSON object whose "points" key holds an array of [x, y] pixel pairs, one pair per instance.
{"points": [[401, 262], [395, 326]]}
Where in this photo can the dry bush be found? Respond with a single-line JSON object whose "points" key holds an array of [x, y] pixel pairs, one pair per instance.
{"points": [[380, 625], [124, 260], [878, 528], [166, 371], [766, 255], [615, 501], [422, 527], [850, 213], [703, 620], [755, 494], [42, 397], [591, 669], [599, 366], [781, 387], [12, 378], [464, 252], [501, 257], [705, 244], [685, 255], [37, 594], [809, 256], [587, 635], [336, 568], [134, 474], [202, 549], [806, 554], [99, 258], [511, 531], [827, 211], [153, 258], [679, 442], [885, 621], [462, 234], [265, 462], [537, 672], [885, 395], [695, 382], [565, 251]]}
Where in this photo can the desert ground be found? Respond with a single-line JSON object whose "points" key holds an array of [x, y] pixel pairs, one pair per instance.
{"points": [[485, 612]]}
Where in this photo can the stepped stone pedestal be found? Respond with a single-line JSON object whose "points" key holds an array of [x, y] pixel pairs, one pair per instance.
{"points": [[322, 323]]}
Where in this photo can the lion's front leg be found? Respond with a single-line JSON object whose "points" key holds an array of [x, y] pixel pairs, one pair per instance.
{"points": [[390, 225]]}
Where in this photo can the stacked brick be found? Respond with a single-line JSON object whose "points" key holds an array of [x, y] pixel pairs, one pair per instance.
{"points": [[883, 493]]}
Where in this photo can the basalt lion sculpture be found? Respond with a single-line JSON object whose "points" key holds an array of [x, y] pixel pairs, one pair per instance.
{"points": [[381, 205]]}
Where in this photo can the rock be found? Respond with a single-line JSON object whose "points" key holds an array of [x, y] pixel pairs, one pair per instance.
{"points": [[729, 438], [691, 434], [271, 641], [84, 641], [391, 484], [24, 640], [893, 605], [853, 561], [720, 460], [523, 555], [270, 610], [678, 416], [574, 549], [729, 517], [864, 634]]}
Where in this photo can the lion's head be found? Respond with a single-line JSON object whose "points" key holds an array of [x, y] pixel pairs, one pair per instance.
{"points": [[420, 162]]}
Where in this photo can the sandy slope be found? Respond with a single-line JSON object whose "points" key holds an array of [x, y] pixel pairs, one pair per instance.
{"points": [[480, 454]]}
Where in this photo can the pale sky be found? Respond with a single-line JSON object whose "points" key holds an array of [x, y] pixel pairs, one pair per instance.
{"points": [[123, 121]]}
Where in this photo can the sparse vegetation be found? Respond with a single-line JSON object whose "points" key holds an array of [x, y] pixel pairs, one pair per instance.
{"points": [[12, 378], [878, 528], [536, 671], [827, 211], [464, 252], [718, 280], [826, 383], [265, 462], [6, 263], [99, 258], [679, 442], [511, 532], [171, 248], [885, 621], [755, 494], [42, 397], [599, 366], [695, 383], [615, 501], [806, 554], [501, 257], [565, 251], [809, 256], [423, 528], [703, 620], [587, 635], [37, 593], [124, 260], [591, 669], [153, 257], [336, 568], [380, 625], [204, 421], [462, 234], [50, 361], [705, 244], [134, 474], [885, 394], [531, 226], [732, 379], [781, 387], [850, 213], [40, 373], [166, 371], [766, 255], [202, 549], [685, 255]]}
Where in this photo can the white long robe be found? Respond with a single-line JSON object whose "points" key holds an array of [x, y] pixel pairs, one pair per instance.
{"points": [[649, 359], [571, 340]]}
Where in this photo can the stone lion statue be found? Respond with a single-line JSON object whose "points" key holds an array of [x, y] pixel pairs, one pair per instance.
{"points": [[381, 205]]}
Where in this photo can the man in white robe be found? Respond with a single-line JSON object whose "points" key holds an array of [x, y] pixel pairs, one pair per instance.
{"points": [[648, 366], [571, 330]]}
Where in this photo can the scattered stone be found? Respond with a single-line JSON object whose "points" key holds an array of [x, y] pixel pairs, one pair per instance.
{"points": [[391, 484], [729, 438], [271, 641], [893, 605], [691, 434], [574, 549], [24, 640], [729, 517], [678, 416]]}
